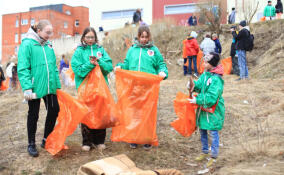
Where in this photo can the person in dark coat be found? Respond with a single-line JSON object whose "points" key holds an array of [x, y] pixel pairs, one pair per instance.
{"points": [[279, 9], [137, 17], [234, 55], [2, 76], [218, 47], [241, 39]]}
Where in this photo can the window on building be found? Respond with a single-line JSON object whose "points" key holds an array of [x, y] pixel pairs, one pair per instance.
{"points": [[17, 22], [32, 21], [68, 12], [77, 23], [24, 22], [181, 8], [119, 14], [65, 25], [16, 38]]}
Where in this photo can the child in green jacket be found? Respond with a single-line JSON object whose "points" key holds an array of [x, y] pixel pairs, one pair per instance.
{"points": [[82, 65], [145, 57], [211, 109]]}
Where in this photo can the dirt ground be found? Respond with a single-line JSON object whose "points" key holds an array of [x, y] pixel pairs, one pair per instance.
{"points": [[251, 142]]}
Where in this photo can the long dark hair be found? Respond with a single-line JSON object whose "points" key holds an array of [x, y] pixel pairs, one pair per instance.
{"points": [[87, 30]]}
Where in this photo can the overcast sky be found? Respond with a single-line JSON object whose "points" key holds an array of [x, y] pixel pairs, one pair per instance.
{"points": [[15, 6]]}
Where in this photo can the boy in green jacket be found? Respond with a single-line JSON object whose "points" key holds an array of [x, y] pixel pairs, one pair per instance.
{"points": [[82, 65], [269, 11], [211, 109]]}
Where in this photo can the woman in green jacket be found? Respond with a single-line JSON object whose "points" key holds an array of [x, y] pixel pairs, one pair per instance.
{"points": [[82, 65], [211, 109], [145, 57], [39, 78]]}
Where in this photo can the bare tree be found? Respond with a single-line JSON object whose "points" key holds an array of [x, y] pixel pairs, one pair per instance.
{"points": [[213, 12], [249, 9]]}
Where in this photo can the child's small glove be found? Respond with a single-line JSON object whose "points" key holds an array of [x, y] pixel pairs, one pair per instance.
{"points": [[162, 74], [193, 100], [28, 94]]}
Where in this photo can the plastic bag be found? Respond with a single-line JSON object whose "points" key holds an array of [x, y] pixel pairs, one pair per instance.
{"points": [[138, 94], [262, 19], [94, 92], [227, 65], [199, 62], [5, 84], [70, 115], [186, 122]]}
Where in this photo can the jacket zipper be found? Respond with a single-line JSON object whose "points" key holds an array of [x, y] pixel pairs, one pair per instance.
{"points": [[47, 70], [140, 59], [92, 54]]}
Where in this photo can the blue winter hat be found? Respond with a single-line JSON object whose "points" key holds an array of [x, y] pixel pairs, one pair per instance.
{"points": [[243, 23]]}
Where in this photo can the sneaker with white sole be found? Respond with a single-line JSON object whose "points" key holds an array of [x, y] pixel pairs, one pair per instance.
{"points": [[147, 147], [101, 147], [86, 148], [133, 145]]}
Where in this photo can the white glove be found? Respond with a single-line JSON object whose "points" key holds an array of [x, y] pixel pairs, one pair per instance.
{"points": [[162, 74], [193, 100], [117, 67], [28, 94]]}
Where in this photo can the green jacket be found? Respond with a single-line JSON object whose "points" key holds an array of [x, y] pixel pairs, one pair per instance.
{"points": [[269, 11], [37, 68], [210, 88], [146, 59], [81, 64]]}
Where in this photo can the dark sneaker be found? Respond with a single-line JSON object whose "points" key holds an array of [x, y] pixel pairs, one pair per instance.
{"points": [[32, 150], [43, 143], [147, 146], [133, 145]]}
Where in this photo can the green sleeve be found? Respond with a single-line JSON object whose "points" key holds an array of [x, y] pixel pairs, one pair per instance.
{"points": [[273, 11], [79, 67], [198, 84], [212, 94], [161, 65], [24, 66], [105, 63], [125, 64]]}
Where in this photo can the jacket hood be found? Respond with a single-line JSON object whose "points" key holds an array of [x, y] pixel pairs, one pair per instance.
{"points": [[31, 34], [218, 70], [148, 45]]}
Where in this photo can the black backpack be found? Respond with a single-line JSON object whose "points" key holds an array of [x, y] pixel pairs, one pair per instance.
{"points": [[249, 42]]}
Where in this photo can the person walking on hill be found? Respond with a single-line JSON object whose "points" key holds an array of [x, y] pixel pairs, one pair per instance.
{"points": [[241, 39], [234, 55], [218, 47], [207, 45], [192, 49], [82, 65], [143, 56], [210, 113], [279, 9], [39, 78], [232, 17], [64, 63], [137, 17], [269, 11]]}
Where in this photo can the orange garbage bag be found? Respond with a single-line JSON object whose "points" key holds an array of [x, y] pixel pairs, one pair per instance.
{"points": [[70, 115], [262, 19], [199, 62], [5, 84], [138, 94], [70, 72], [227, 65], [186, 122], [184, 51], [94, 92]]}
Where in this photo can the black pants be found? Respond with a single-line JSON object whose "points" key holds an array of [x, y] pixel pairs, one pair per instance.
{"points": [[92, 136], [52, 107]]}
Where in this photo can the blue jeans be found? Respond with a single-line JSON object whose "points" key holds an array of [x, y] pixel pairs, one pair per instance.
{"points": [[242, 64], [214, 145], [190, 59]]}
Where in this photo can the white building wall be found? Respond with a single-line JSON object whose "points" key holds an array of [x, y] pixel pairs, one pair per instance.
{"points": [[240, 4], [97, 7]]}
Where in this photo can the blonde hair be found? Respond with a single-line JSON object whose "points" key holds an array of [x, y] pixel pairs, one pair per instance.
{"points": [[41, 25]]}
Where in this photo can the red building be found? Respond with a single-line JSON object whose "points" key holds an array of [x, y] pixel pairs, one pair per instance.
{"points": [[181, 10], [66, 20]]}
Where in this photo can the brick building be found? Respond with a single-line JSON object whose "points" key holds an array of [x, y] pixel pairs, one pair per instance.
{"points": [[66, 20]]}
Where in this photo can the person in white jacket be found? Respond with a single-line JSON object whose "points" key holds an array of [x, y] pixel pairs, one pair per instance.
{"points": [[207, 45]]}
